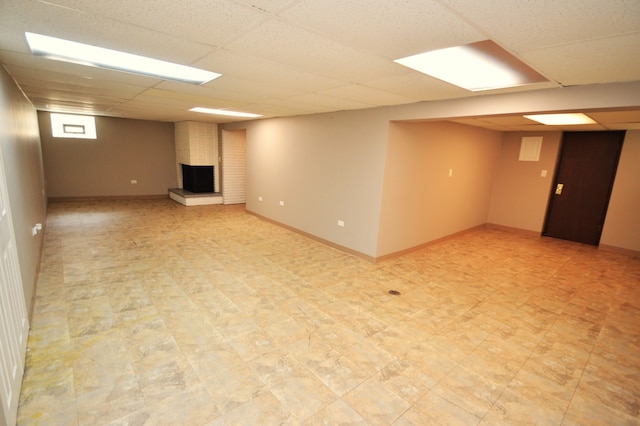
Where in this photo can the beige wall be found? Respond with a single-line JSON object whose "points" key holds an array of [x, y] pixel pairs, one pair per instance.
{"points": [[622, 223], [325, 167], [20, 145], [420, 201], [520, 193], [125, 150], [330, 167]]}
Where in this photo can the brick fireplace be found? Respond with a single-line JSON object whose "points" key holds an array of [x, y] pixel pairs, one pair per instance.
{"points": [[197, 165]]}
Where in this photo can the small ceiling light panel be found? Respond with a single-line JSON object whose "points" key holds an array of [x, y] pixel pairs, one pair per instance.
{"points": [[224, 112], [85, 54], [477, 66], [561, 119]]}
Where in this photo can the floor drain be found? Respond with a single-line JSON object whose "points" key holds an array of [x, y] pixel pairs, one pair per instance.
{"points": [[394, 292]]}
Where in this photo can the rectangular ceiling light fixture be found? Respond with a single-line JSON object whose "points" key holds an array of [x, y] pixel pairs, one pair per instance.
{"points": [[224, 112], [85, 54], [561, 119], [477, 66]]}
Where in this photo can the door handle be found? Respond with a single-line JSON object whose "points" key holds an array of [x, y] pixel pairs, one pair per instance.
{"points": [[559, 188]]}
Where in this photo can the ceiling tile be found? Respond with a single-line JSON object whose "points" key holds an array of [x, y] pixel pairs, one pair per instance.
{"points": [[327, 103], [247, 90], [263, 71], [280, 42], [271, 6], [525, 25], [510, 120], [623, 126], [608, 61], [71, 24], [366, 95], [286, 107], [380, 26], [418, 87], [290, 57], [180, 97], [209, 22], [616, 116]]}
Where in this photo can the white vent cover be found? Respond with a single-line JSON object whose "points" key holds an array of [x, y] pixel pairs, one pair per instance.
{"points": [[530, 148]]}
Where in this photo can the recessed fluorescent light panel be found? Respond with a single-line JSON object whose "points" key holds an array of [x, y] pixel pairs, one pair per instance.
{"points": [[561, 119], [84, 54], [477, 66], [224, 112]]}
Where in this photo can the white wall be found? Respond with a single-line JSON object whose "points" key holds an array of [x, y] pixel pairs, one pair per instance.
{"points": [[20, 144]]}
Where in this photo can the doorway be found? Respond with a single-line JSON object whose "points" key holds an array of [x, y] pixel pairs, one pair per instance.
{"points": [[582, 186]]}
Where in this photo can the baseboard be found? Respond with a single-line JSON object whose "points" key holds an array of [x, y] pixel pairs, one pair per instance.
{"points": [[427, 244], [107, 198], [361, 255], [619, 250], [316, 238], [513, 230], [603, 247]]}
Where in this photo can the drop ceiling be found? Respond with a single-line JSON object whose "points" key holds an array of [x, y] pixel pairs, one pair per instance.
{"points": [[294, 57]]}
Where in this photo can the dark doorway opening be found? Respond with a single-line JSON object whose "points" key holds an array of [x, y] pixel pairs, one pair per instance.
{"points": [[197, 179], [582, 185]]}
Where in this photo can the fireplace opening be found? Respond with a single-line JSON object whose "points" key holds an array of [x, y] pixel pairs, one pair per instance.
{"points": [[197, 178]]}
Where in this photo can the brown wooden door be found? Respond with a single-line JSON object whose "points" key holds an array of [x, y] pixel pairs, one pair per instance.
{"points": [[582, 185]]}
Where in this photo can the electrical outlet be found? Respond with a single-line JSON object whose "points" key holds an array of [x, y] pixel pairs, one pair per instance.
{"points": [[341, 223], [260, 198], [281, 203], [134, 181]]}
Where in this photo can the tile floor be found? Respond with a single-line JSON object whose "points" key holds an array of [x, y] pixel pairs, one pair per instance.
{"points": [[148, 312]]}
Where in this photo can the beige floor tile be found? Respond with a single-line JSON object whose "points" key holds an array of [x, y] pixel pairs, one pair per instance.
{"points": [[585, 410], [263, 409], [189, 406], [404, 380], [471, 391], [436, 410], [301, 393], [148, 312], [337, 372], [531, 396], [432, 360], [230, 382], [337, 413], [376, 402], [111, 401], [496, 358], [48, 397]]}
